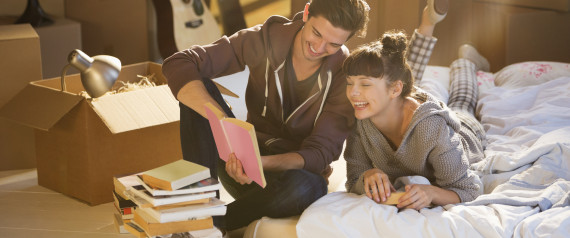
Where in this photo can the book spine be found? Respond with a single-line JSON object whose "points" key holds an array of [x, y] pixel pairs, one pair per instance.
{"points": [[157, 183]]}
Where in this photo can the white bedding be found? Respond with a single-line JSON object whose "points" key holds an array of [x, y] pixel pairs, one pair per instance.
{"points": [[526, 175]]}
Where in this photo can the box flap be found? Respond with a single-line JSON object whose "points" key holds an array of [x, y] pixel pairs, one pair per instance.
{"points": [[39, 107], [137, 109], [225, 91], [17, 31]]}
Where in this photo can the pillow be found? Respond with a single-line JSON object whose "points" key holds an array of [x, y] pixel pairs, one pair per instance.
{"points": [[530, 73], [436, 81], [485, 81]]}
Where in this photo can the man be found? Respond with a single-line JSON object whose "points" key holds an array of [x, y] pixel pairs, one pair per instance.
{"points": [[295, 99]]}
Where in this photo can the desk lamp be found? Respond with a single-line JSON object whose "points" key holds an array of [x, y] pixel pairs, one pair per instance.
{"points": [[98, 74]]}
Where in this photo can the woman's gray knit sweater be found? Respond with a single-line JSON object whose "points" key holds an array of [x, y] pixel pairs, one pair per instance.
{"points": [[433, 147]]}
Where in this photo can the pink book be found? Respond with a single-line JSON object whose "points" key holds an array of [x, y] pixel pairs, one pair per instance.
{"points": [[236, 136]]}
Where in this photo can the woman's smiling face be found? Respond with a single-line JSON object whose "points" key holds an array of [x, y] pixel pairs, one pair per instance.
{"points": [[368, 95]]}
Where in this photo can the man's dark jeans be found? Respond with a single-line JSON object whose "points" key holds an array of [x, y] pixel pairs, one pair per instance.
{"points": [[287, 193]]}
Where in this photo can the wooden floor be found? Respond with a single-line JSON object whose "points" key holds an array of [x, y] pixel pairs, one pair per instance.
{"points": [[29, 210]]}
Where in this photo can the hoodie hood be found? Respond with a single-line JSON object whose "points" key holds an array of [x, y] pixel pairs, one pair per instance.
{"points": [[274, 37], [433, 107]]}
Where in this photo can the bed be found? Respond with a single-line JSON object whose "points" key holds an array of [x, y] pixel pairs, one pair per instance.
{"points": [[525, 110]]}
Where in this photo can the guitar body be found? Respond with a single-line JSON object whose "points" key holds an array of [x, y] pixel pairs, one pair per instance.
{"points": [[182, 24]]}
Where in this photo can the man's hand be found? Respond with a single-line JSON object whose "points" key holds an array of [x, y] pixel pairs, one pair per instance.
{"points": [[377, 185], [235, 170]]}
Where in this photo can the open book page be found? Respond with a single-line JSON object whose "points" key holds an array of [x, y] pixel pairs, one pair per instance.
{"points": [[236, 136], [244, 144], [215, 117]]}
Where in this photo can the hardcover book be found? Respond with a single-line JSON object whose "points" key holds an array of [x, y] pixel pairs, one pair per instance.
{"points": [[125, 207], [236, 136]]}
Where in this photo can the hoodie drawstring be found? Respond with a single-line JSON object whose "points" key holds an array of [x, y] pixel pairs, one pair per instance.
{"points": [[266, 87], [329, 74]]}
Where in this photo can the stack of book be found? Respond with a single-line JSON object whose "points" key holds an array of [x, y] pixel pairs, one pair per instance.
{"points": [[179, 197], [124, 206]]}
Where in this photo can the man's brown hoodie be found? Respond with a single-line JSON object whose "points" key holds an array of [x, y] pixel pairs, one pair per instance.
{"points": [[316, 129]]}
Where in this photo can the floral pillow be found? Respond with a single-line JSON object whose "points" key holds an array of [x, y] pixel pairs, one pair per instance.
{"points": [[530, 73], [485, 80]]}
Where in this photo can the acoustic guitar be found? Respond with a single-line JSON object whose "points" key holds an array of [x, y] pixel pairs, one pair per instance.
{"points": [[182, 24]]}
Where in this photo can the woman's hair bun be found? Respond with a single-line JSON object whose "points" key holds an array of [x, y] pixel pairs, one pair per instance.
{"points": [[394, 44]]}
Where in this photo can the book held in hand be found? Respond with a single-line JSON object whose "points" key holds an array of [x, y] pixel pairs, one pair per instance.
{"points": [[236, 136], [393, 199], [175, 175]]}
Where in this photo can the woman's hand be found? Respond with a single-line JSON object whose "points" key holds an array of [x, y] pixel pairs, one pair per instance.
{"points": [[377, 185], [417, 196], [235, 170]]}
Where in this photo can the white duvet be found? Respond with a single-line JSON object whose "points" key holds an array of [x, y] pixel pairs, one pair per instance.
{"points": [[526, 175]]}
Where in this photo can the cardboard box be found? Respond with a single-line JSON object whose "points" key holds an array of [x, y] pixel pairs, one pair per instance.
{"points": [[110, 27], [20, 64], [57, 41], [82, 143]]}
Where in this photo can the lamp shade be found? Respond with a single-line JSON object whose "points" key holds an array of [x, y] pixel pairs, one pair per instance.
{"points": [[98, 73]]}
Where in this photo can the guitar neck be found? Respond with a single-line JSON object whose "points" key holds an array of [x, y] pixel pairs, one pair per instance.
{"points": [[232, 17]]}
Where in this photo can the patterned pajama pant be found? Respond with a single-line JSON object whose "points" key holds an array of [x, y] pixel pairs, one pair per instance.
{"points": [[463, 90], [463, 94]]}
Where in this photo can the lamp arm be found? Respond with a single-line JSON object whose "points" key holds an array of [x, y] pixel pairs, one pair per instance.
{"points": [[63, 72]]}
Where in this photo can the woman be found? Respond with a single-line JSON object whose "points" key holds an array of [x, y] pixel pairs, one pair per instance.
{"points": [[404, 132]]}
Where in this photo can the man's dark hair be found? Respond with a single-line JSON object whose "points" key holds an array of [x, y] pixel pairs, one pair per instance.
{"points": [[351, 15]]}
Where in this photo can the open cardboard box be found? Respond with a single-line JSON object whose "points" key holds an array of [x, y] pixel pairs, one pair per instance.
{"points": [[82, 143]]}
